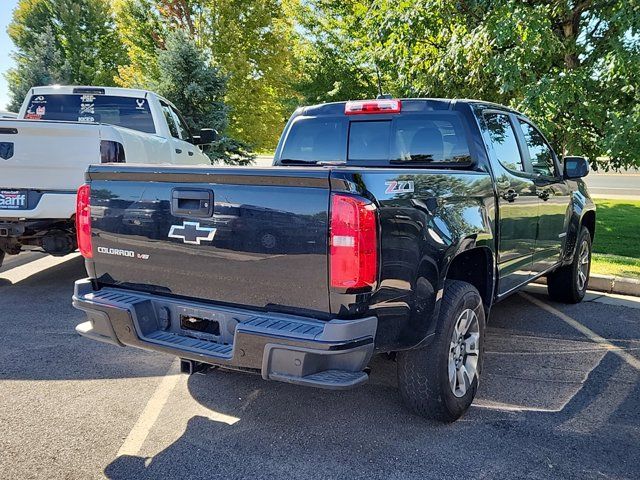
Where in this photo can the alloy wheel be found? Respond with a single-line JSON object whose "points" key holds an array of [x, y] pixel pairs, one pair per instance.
{"points": [[583, 265], [463, 353]]}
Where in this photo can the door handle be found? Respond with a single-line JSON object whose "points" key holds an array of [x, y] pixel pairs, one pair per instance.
{"points": [[192, 203], [510, 195], [544, 195]]}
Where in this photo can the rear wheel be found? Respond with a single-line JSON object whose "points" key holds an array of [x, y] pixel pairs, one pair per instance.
{"points": [[440, 381], [1, 257], [568, 284]]}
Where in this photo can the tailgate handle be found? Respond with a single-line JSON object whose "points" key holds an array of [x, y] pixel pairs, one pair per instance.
{"points": [[192, 203]]}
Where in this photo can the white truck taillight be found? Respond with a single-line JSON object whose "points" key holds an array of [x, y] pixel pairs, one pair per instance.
{"points": [[111, 152], [353, 243], [83, 221], [361, 107]]}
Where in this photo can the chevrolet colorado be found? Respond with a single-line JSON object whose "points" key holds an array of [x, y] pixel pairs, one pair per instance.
{"points": [[385, 226], [58, 132]]}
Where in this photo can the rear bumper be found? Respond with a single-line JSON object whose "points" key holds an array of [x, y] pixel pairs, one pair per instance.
{"points": [[326, 354], [51, 205]]}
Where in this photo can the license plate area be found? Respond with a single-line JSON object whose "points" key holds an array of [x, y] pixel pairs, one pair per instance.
{"points": [[14, 199], [198, 324]]}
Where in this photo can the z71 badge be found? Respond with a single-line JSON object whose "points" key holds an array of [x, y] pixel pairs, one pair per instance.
{"points": [[399, 186]]}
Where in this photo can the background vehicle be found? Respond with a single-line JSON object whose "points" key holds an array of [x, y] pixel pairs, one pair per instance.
{"points": [[59, 132], [4, 114], [412, 218]]}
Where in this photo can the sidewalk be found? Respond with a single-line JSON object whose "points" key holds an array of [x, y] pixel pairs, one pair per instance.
{"points": [[609, 284]]}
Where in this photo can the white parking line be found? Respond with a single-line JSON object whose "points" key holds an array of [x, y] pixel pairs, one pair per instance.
{"points": [[22, 272], [621, 352], [140, 432], [134, 441]]}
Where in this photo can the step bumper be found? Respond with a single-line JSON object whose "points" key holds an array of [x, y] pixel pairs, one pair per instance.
{"points": [[301, 350]]}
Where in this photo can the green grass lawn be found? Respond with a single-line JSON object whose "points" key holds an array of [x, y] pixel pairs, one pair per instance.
{"points": [[616, 249]]}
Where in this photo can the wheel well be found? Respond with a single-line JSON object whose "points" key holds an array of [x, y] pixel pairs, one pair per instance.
{"points": [[589, 221], [474, 267]]}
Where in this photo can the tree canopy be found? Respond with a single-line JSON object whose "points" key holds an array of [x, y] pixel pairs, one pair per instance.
{"points": [[78, 38], [573, 66], [197, 89], [250, 41]]}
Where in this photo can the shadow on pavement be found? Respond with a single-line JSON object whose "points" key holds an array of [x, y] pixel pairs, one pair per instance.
{"points": [[39, 341], [552, 404]]}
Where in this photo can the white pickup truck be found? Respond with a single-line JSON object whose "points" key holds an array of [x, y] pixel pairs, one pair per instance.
{"points": [[60, 130]]}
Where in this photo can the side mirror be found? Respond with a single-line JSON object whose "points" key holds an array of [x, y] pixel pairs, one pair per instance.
{"points": [[207, 136], [576, 167]]}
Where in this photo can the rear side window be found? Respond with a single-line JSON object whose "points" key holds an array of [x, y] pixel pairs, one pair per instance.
{"points": [[316, 139], [128, 112], [503, 140]]}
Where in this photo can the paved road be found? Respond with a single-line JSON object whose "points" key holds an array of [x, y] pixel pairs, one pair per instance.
{"points": [[557, 401], [612, 185], [12, 261]]}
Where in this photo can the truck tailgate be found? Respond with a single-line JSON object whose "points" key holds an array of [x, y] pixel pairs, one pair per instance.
{"points": [[243, 236], [47, 155]]}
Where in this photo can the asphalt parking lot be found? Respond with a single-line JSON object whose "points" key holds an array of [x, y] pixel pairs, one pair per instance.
{"points": [[560, 398]]}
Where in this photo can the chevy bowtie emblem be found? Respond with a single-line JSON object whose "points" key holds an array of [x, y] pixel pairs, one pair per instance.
{"points": [[192, 232]]}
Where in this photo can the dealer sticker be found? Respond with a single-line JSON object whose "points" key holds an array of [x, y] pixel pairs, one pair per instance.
{"points": [[13, 199]]}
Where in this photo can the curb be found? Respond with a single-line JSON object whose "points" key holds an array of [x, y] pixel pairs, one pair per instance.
{"points": [[609, 284]]}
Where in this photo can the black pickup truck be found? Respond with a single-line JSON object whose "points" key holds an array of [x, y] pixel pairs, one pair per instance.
{"points": [[385, 226]]}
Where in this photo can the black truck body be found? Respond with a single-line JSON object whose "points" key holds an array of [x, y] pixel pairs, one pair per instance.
{"points": [[239, 267]]}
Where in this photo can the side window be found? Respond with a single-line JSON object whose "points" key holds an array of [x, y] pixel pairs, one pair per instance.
{"points": [[539, 151], [168, 116], [504, 141], [183, 129]]}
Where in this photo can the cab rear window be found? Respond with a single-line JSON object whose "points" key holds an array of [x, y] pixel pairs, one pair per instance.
{"points": [[433, 138], [128, 112]]}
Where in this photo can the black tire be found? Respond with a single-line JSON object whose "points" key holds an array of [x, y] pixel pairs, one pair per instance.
{"points": [[564, 285], [423, 373], [1, 257]]}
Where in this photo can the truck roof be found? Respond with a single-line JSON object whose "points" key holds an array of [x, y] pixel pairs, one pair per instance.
{"points": [[333, 108], [69, 89]]}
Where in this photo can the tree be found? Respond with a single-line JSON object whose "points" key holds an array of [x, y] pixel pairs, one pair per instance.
{"points": [[197, 89], [331, 68], [45, 67], [251, 41], [79, 39], [572, 65]]}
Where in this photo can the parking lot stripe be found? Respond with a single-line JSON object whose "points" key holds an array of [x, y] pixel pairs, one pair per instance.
{"points": [[134, 441], [630, 359], [22, 272]]}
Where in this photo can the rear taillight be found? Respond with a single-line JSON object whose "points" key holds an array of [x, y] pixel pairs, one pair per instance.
{"points": [[111, 152], [353, 243], [360, 107], [83, 221]]}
